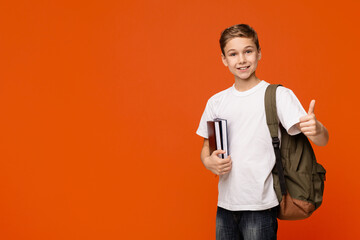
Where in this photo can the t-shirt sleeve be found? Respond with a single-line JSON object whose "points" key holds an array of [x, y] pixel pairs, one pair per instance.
{"points": [[208, 115], [289, 109]]}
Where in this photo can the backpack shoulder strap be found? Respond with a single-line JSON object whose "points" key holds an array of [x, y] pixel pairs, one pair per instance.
{"points": [[270, 110], [273, 124]]}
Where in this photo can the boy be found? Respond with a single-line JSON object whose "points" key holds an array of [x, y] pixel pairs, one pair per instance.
{"points": [[247, 204]]}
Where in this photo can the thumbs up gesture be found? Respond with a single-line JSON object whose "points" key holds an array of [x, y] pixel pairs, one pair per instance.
{"points": [[308, 123]]}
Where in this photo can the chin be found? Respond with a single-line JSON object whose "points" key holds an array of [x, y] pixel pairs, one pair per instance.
{"points": [[244, 78]]}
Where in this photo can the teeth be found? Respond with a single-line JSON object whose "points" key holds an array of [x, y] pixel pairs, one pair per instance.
{"points": [[243, 68]]}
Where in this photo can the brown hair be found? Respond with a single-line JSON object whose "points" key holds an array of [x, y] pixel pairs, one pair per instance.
{"points": [[239, 30]]}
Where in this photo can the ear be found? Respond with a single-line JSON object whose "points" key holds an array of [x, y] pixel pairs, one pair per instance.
{"points": [[223, 58], [259, 54]]}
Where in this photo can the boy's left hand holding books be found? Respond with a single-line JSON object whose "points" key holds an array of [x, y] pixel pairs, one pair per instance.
{"points": [[312, 128], [212, 162]]}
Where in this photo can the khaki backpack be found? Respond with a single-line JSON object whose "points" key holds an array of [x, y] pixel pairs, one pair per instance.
{"points": [[298, 178]]}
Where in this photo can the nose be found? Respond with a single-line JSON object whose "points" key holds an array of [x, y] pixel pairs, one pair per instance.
{"points": [[241, 59]]}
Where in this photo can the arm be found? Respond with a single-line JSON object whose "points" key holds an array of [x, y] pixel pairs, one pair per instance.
{"points": [[312, 128], [212, 162]]}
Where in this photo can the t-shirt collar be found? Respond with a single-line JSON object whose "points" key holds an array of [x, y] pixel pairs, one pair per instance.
{"points": [[248, 92]]}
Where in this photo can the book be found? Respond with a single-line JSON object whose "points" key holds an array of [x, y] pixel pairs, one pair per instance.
{"points": [[218, 136], [211, 134], [224, 137]]}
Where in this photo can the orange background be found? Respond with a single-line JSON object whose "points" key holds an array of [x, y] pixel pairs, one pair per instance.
{"points": [[100, 101]]}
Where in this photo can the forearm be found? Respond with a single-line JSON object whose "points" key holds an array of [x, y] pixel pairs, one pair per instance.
{"points": [[205, 151]]}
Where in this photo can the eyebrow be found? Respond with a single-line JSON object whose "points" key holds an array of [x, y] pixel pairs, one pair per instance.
{"points": [[249, 46]]}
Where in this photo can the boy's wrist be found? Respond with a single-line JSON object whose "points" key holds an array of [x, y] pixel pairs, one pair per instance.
{"points": [[320, 127]]}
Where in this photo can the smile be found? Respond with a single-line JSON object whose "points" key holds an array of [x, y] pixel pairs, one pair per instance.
{"points": [[243, 68]]}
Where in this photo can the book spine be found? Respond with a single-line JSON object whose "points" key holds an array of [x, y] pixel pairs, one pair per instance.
{"points": [[218, 137], [224, 138]]}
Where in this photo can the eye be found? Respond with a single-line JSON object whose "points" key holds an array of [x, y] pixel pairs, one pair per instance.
{"points": [[248, 51], [232, 54]]}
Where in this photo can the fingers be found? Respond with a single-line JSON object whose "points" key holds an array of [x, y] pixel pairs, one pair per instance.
{"points": [[309, 131], [308, 134], [216, 152], [225, 171], [225, 168], [311, 107], [223, 163], [228, 159], [307, 123], [308, 128], [222, 166], [307, 118]]}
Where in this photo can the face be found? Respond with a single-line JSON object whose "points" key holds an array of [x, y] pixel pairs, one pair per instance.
{"points": [[241, 57]]}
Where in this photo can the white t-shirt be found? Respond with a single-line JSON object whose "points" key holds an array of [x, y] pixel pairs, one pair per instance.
{"points": [[249, 184]]}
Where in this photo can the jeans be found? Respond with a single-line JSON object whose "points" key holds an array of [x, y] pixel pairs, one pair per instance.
{"points": [[246, 225]]}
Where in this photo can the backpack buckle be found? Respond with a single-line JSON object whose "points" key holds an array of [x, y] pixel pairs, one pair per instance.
{"points": [[276, 142]]}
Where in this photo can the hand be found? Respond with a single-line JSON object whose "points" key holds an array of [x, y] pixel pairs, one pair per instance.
{"points": [[309, 125], [218, 165]]}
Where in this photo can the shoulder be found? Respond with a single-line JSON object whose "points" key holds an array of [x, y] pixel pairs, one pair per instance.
{"points": [[283, 92], [218, 97], [289, 109]]}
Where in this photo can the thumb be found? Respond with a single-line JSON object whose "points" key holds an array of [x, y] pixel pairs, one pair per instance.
{"points": [[219, 151], [311, 107]]}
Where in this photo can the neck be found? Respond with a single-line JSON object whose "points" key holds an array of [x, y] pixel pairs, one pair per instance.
{"points": [[244, 85]]}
